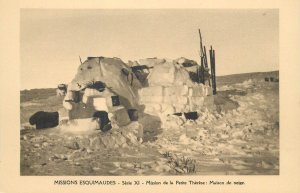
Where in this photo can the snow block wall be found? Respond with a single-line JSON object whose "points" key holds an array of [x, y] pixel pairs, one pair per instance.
{"points": [[171, 99], [171, 90]]}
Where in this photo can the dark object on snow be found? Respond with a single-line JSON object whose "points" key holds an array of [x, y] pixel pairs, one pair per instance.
{"points": [[178, 114], [271, 79], [191, 115], [115, 100], [44, 120], [266, 79], [104, 121], [133, 114]]}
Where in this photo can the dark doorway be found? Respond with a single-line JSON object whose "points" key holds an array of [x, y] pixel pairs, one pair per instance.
{"points": [[115, 100], [133, 114], [103, 119]]}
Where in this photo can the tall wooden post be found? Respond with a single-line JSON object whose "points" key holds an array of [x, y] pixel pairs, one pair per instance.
{"points": [[202, 72], [205, 58], [215, 82], [211, 66], [213, 70], [206, 65]]}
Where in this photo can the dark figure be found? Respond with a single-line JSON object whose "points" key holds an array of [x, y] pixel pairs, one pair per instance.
{"points": [[103, 119], [44, 120]]}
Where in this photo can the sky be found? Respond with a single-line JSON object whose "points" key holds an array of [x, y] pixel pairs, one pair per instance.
{"points": [[53, 39]]}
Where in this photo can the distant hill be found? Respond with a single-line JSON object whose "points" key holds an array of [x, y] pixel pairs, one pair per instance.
{"points": [[238, 78], [36, 94]]}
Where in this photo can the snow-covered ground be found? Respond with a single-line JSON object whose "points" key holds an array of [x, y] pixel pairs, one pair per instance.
{"points": [[244, 140], [240, 136]]}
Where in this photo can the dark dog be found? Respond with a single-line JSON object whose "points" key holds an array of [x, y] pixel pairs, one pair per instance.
{"points": [[44, 120]]}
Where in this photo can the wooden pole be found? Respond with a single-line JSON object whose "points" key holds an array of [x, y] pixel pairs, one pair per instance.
{"points": [[201, 45], [213, 70], [215, 83], [206, 65], [202, 73], [204, 61], [211, 66], [205, 58]]}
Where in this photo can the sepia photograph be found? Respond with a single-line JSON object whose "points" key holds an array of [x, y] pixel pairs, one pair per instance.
{"points": [[149, 92]]}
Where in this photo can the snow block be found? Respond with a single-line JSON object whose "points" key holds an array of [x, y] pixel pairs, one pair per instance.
{"points": [[196, 101], [167, 109], [209, 102], [151, 99], [67, 105], [91, 92], [208, 91], [151, 91], [163, 74], [176, 100], [181, 108], [176, 90], [100, 104], [197, 91], [182, 77], [152, 108], [121, 117]]}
